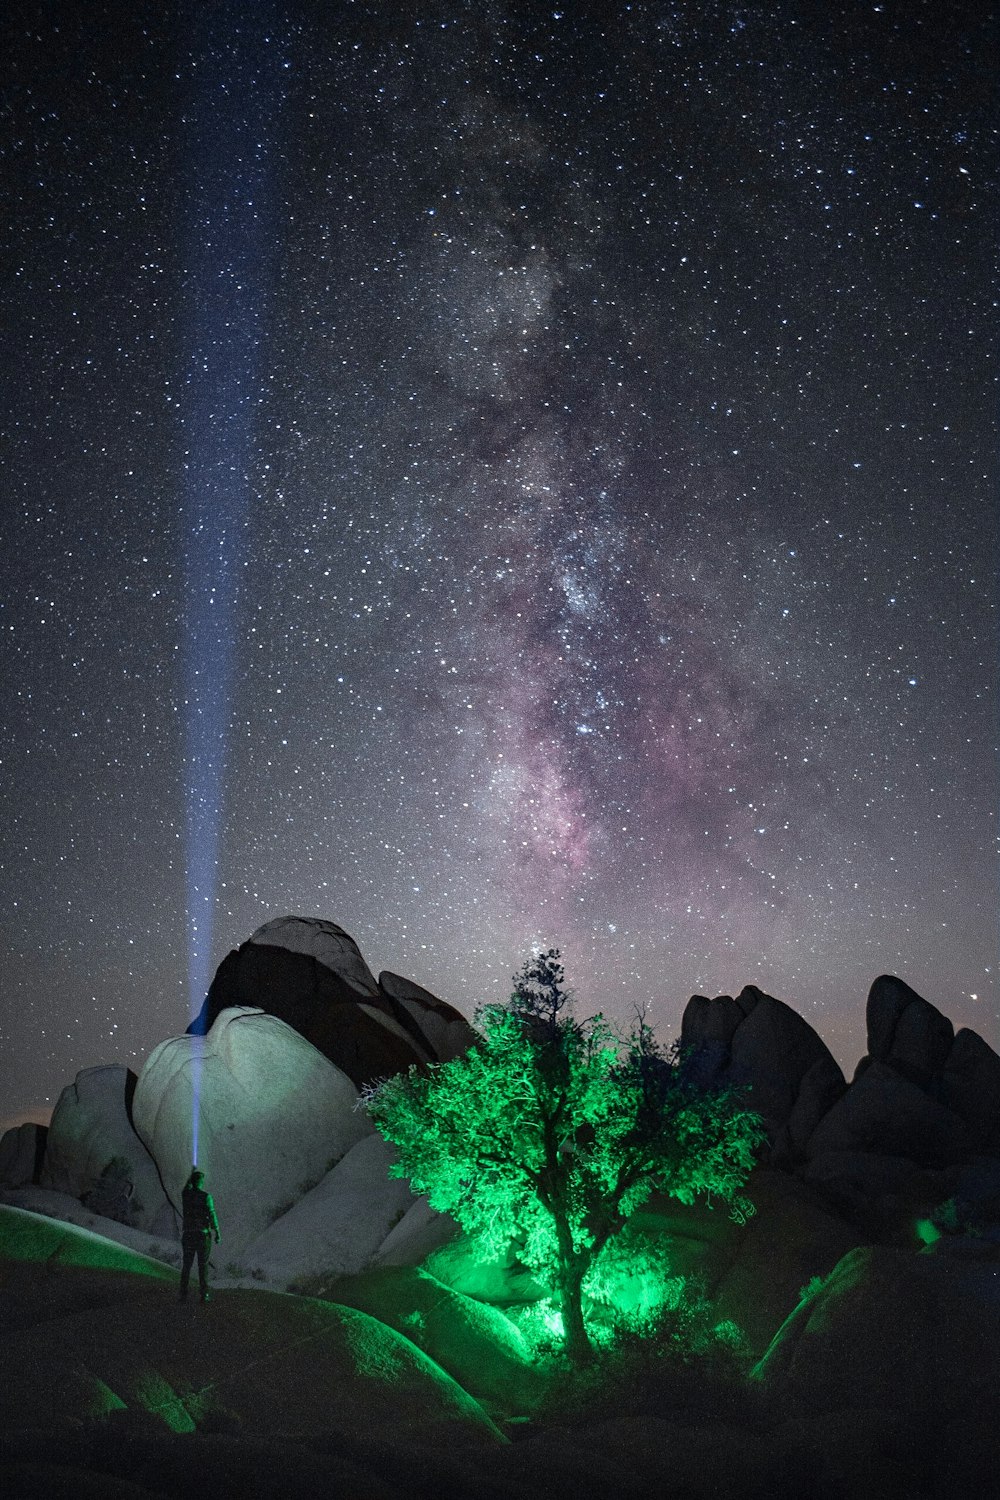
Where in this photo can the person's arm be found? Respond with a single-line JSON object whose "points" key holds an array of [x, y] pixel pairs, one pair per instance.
{"points": [[213, 1220]]}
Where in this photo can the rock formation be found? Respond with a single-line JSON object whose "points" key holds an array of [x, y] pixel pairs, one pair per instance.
{"points": [[884, 1112], [339, 1225], [274, 1116], [905, 1032], [442, 1031], [22, 1151], [969, 1085], [758, 1043], [921, 1092], [865, 1283], [891, 1330], [310, 974], [87, 1345], [91, 1135]]}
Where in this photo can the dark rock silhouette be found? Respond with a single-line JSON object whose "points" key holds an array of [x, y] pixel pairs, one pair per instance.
{"points": [[311, 975], [758, 1043], [891, 1330], [883, 1111], [969, 1084], [921, 1092], [794, 1235], [905, 1031], [22, 1151], [440, 1027]]}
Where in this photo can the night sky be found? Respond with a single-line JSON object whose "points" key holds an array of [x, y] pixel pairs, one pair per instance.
{"points": [[489, 474]]}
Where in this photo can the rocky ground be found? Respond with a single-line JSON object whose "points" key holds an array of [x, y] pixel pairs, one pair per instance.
{"points": [[110, 1386]]}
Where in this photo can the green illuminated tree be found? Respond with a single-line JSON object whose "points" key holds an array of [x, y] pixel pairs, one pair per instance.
{"points": [[550, 1133]]}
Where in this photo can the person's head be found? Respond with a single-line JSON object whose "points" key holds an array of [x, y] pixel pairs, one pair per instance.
{"points": [[197, 1177]]}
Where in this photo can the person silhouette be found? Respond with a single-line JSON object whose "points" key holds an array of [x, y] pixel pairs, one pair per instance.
{"points": [[200, 1224]]}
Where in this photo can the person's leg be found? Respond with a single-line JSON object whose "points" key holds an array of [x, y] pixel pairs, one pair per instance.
{"points": [[203, 1248], [186, 1263]]}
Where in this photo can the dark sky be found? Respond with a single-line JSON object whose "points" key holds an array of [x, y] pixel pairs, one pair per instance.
{"points": [[495, 474]]}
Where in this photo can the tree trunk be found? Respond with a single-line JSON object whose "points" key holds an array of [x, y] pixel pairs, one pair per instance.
{"points": [[578, 1345], [572, 1269], [572, 1264]]}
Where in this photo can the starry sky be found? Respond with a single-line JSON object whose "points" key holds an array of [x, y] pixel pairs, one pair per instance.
{"points": [[491, 474]]}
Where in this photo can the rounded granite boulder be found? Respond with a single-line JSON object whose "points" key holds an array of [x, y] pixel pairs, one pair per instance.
{"points": [[273, 1116], [91, 1143]]}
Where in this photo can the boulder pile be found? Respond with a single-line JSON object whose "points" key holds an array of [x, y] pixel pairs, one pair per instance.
{"points": [[906, 1154], [263, 1089], [311, 974], [921, 1094]]}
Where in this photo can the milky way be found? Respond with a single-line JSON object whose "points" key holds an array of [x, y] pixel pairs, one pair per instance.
{"points": [[493, 476]]}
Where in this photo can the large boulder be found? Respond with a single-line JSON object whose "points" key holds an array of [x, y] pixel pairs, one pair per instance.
{"points": [[905, 1031], [50, 1268], [885, 1196], [420, 1232], [894, 1331], [324, 941], [969, 1084], [93, 1148], [42, 1237], [793, 1237], [273, 1116], [338, 1227], [885, 1112], [459, 1264], [758, 1043], [22, 1151], [310, 974], [444, 1032], [477, 1344]]}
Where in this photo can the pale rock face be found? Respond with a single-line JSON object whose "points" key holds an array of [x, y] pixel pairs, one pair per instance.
{"points": [[274, 1116], [419, 1232], [338, 1227], [324, 941], [90, 1126]]}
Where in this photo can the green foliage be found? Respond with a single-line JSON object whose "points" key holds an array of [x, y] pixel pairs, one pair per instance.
{"points": [[630, 1286], [550, 1132]]}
